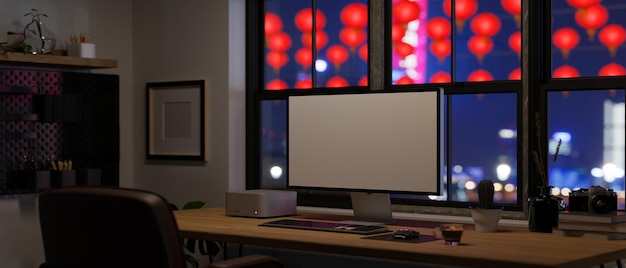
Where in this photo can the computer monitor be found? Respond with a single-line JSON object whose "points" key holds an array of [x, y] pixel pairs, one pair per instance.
{"points": [[369, 144]]}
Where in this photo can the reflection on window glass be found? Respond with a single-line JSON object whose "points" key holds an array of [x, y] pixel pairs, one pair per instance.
{"points": [[273, 144], [484, 146], [340, 35], [488, 41], [586, 38], [409, 41], [592, 141]]}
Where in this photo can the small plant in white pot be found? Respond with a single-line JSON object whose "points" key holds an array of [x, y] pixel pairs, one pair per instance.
{"points": [[486, 216]]}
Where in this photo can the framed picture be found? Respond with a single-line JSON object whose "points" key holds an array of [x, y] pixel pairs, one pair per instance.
{"points": [[175, 123]]}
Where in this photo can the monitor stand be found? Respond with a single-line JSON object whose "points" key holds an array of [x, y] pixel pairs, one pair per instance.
{"points": [[371, 208]]}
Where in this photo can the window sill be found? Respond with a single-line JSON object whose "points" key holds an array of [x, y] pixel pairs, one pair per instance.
{"points": [[414, 216]]}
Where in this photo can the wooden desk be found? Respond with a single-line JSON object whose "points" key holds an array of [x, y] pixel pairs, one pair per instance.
{"points": [[510, 247]]}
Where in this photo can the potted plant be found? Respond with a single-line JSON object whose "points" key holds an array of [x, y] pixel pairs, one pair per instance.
{"points": [[204, 247], [34, 38], [486, 216]]}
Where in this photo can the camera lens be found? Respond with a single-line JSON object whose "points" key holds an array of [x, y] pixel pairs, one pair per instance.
{"points": [[600, 204]]}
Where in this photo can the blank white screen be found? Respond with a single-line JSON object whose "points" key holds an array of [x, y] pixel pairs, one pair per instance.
{"points": [[373, 141]]}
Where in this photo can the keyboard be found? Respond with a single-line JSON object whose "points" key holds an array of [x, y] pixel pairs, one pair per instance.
{"points": [[327, 226]]}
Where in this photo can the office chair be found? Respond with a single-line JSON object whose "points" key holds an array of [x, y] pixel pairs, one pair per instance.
{"points": [[100, 227]]}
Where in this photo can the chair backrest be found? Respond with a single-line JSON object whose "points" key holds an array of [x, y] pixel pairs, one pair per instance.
{"points": [[108, 227]]}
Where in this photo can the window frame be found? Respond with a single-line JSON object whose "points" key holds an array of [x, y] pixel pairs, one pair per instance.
{"points": [[531, 93]]}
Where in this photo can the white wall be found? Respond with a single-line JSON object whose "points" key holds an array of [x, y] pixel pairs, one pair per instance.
{"points": [[20, 235], [189, 41], [153, 40]]}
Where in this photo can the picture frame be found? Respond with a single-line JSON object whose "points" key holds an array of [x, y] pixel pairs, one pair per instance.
{"points": [[175, 120]]}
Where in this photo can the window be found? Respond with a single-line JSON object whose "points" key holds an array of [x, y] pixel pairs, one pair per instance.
{"points": [[587, 37], [592, 140], [477, 58], [584, 96], [337, 28]]}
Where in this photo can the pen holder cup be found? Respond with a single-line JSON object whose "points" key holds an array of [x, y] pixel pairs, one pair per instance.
{"points": [[33, 179], [63, 178], [89, 176], [83, 50]]}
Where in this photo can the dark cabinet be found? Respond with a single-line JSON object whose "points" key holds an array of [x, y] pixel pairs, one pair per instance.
{"points": [[49, 116]]}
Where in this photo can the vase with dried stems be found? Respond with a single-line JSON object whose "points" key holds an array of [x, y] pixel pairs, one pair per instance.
{"points": [[543, 209]]}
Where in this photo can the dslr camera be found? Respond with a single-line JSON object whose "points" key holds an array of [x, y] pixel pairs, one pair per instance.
{"points": [[595, 199]]}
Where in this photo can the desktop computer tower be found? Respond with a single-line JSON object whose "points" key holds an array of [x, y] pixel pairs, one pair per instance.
{"points": [[260, 203]]}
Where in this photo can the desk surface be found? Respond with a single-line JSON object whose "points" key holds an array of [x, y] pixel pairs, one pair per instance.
{"points": [[509, 247]]}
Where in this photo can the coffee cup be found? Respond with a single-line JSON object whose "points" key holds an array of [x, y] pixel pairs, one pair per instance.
{"points": [[450, 232]]}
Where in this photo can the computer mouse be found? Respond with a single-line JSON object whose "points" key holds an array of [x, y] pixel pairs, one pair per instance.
{"points": [[405, 234]]}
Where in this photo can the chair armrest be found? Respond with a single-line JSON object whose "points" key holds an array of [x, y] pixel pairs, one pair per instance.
{"points": [[255, 260]]}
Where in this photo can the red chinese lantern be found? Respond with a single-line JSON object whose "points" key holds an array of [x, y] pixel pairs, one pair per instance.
{"points": [[276, 59], [464, 9], [279, 42], [485, 24], [514, 7], [405, 80], [516, 74], [304, 84], [337, 54], [354, 15], [565, 39], [441, 49], [480, 46], [321, 39], [579, 4], [403, 49], [479, 75], [591, 19], [405, 11], [276, 84], [612, 36], [398, 30], [273, 23], [304, 57], [363, 52], [363, 81], [352, 37], [438, 28], [337, 81], [440, 77], [612, 69], [304, 20], [515, 42], [565, 71]]}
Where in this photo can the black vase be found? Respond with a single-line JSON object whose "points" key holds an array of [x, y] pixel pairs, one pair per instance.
{"points": [[543, 211]]}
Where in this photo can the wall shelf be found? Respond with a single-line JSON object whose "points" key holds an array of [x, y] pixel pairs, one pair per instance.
{"points": [[18, 135], [19, 117], [55, 61], [18, 89]]}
